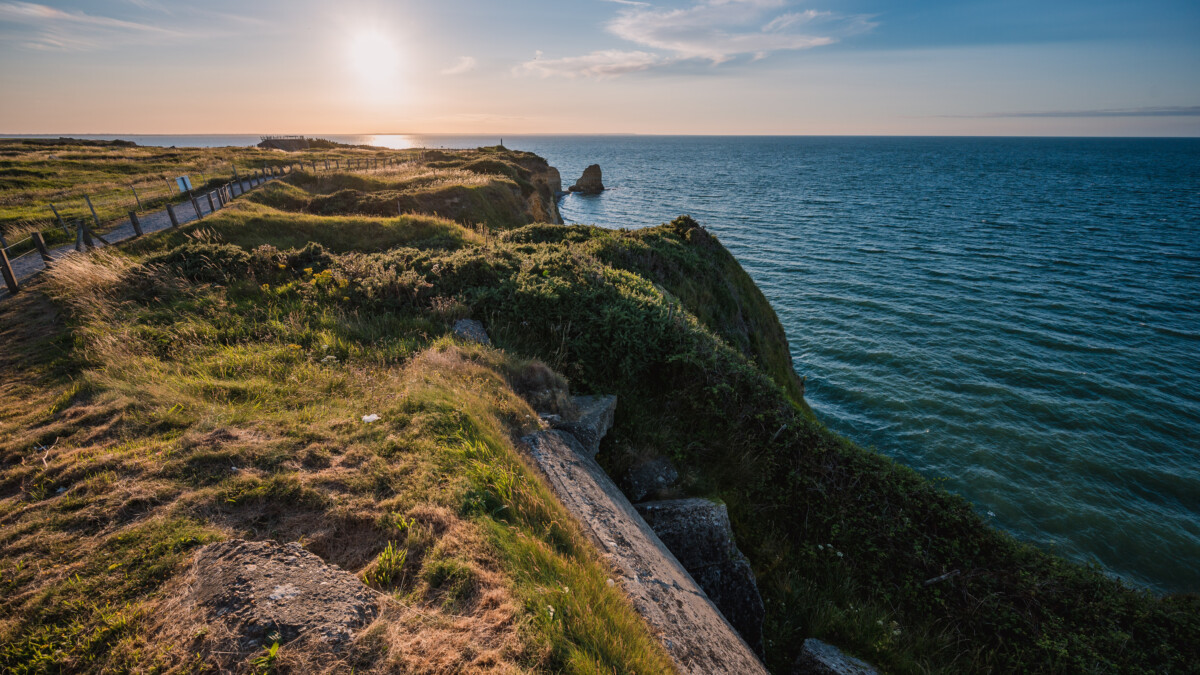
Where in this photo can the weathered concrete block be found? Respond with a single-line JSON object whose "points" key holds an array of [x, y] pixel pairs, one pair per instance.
{"points": [[650, 477], [820, 658], [595, 419], [255, 588], [698, 638], [471, 331], [697, 531]]}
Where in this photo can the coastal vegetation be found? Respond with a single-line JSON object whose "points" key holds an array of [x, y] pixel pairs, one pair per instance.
{"points": [[215, 381]]}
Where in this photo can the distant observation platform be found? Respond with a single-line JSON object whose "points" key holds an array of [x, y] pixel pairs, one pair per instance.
{"points": [[286, 143]]}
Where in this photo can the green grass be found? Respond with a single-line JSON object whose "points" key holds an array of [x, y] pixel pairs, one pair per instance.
{"points": [[35, 173], [258, 339]]}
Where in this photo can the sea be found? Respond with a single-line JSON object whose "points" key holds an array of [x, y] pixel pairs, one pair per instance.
{"points": [[1016, 318]]}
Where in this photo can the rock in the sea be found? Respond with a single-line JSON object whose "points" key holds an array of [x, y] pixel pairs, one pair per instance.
{"points": [[254, 589], [589, 183], [698, 533], [649, 478], [595, 419], [471, 331], [820, 658]]}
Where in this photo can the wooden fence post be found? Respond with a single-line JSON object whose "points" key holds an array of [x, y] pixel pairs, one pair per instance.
{"points": [[61, 224], [84, 236], [171, 213], [40, 242], [137, 224], [196, 206], [9, 278], [212, 208], [93, 209], [220, 197], [135, 196]]}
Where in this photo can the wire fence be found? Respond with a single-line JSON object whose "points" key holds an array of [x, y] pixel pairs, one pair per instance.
{"points": [[147, 205]]}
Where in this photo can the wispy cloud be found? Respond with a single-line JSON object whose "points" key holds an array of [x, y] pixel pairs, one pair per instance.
{"points": [[41, 27], [464, 64], [602, 64], [713, 30], [1158, 111]]}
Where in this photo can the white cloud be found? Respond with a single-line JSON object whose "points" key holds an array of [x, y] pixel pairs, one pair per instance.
{"points": [[465, 64], [712, 30], [602, 64], [41, 27], [719, 30], [41, 15]]}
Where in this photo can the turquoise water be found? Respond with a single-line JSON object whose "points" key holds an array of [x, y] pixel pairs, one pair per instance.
{"points": [[1020, 317]]}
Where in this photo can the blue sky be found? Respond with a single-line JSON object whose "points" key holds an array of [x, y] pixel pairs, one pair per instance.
{"points": [[602, 66]]}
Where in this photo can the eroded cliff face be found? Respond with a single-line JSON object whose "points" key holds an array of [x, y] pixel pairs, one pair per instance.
{"points": [[543, 201]]}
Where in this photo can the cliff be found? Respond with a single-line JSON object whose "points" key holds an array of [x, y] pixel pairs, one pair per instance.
{"points": [[285, 373]]}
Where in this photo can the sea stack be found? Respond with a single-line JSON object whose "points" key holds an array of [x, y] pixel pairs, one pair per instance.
{"points": [[589, 183]]}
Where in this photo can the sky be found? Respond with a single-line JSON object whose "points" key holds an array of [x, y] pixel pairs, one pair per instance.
{"points": [[875, 67]]}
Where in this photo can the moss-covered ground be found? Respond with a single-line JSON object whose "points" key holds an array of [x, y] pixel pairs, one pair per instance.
{"points": [[210, 382]]}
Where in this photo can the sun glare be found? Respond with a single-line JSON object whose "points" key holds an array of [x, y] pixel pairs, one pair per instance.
{"points": [[374, 58]]}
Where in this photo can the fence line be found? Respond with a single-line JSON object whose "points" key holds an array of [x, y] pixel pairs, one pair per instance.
{"points": [[16, 266]]}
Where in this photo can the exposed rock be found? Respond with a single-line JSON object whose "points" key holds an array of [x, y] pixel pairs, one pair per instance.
{"points": [[695, 635], [820, 658], [471, 331], [649, 478], [554, 181], [589, 183], [697, 531], [595, 419], [247, 590]]}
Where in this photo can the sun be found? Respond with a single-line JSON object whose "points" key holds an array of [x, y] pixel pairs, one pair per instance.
{"points": [[374, 58]]}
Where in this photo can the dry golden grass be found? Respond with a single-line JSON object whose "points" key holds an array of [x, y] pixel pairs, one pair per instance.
{"points": [[137, 453]]}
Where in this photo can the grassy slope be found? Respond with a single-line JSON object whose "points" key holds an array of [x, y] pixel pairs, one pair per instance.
{"points": [[123, 422], [35, 173], [842, 539]]}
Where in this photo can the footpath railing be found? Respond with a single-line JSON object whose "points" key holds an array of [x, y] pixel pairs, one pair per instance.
{"points": [[38, 249]]}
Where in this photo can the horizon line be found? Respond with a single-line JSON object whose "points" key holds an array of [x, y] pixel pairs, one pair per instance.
{"points": [[5, 135]]}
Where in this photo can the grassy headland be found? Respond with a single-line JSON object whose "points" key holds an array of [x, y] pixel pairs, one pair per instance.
{"points": [[209, 382]]}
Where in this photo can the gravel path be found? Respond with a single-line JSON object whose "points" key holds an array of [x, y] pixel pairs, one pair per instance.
{"points": [[30, 263]]}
